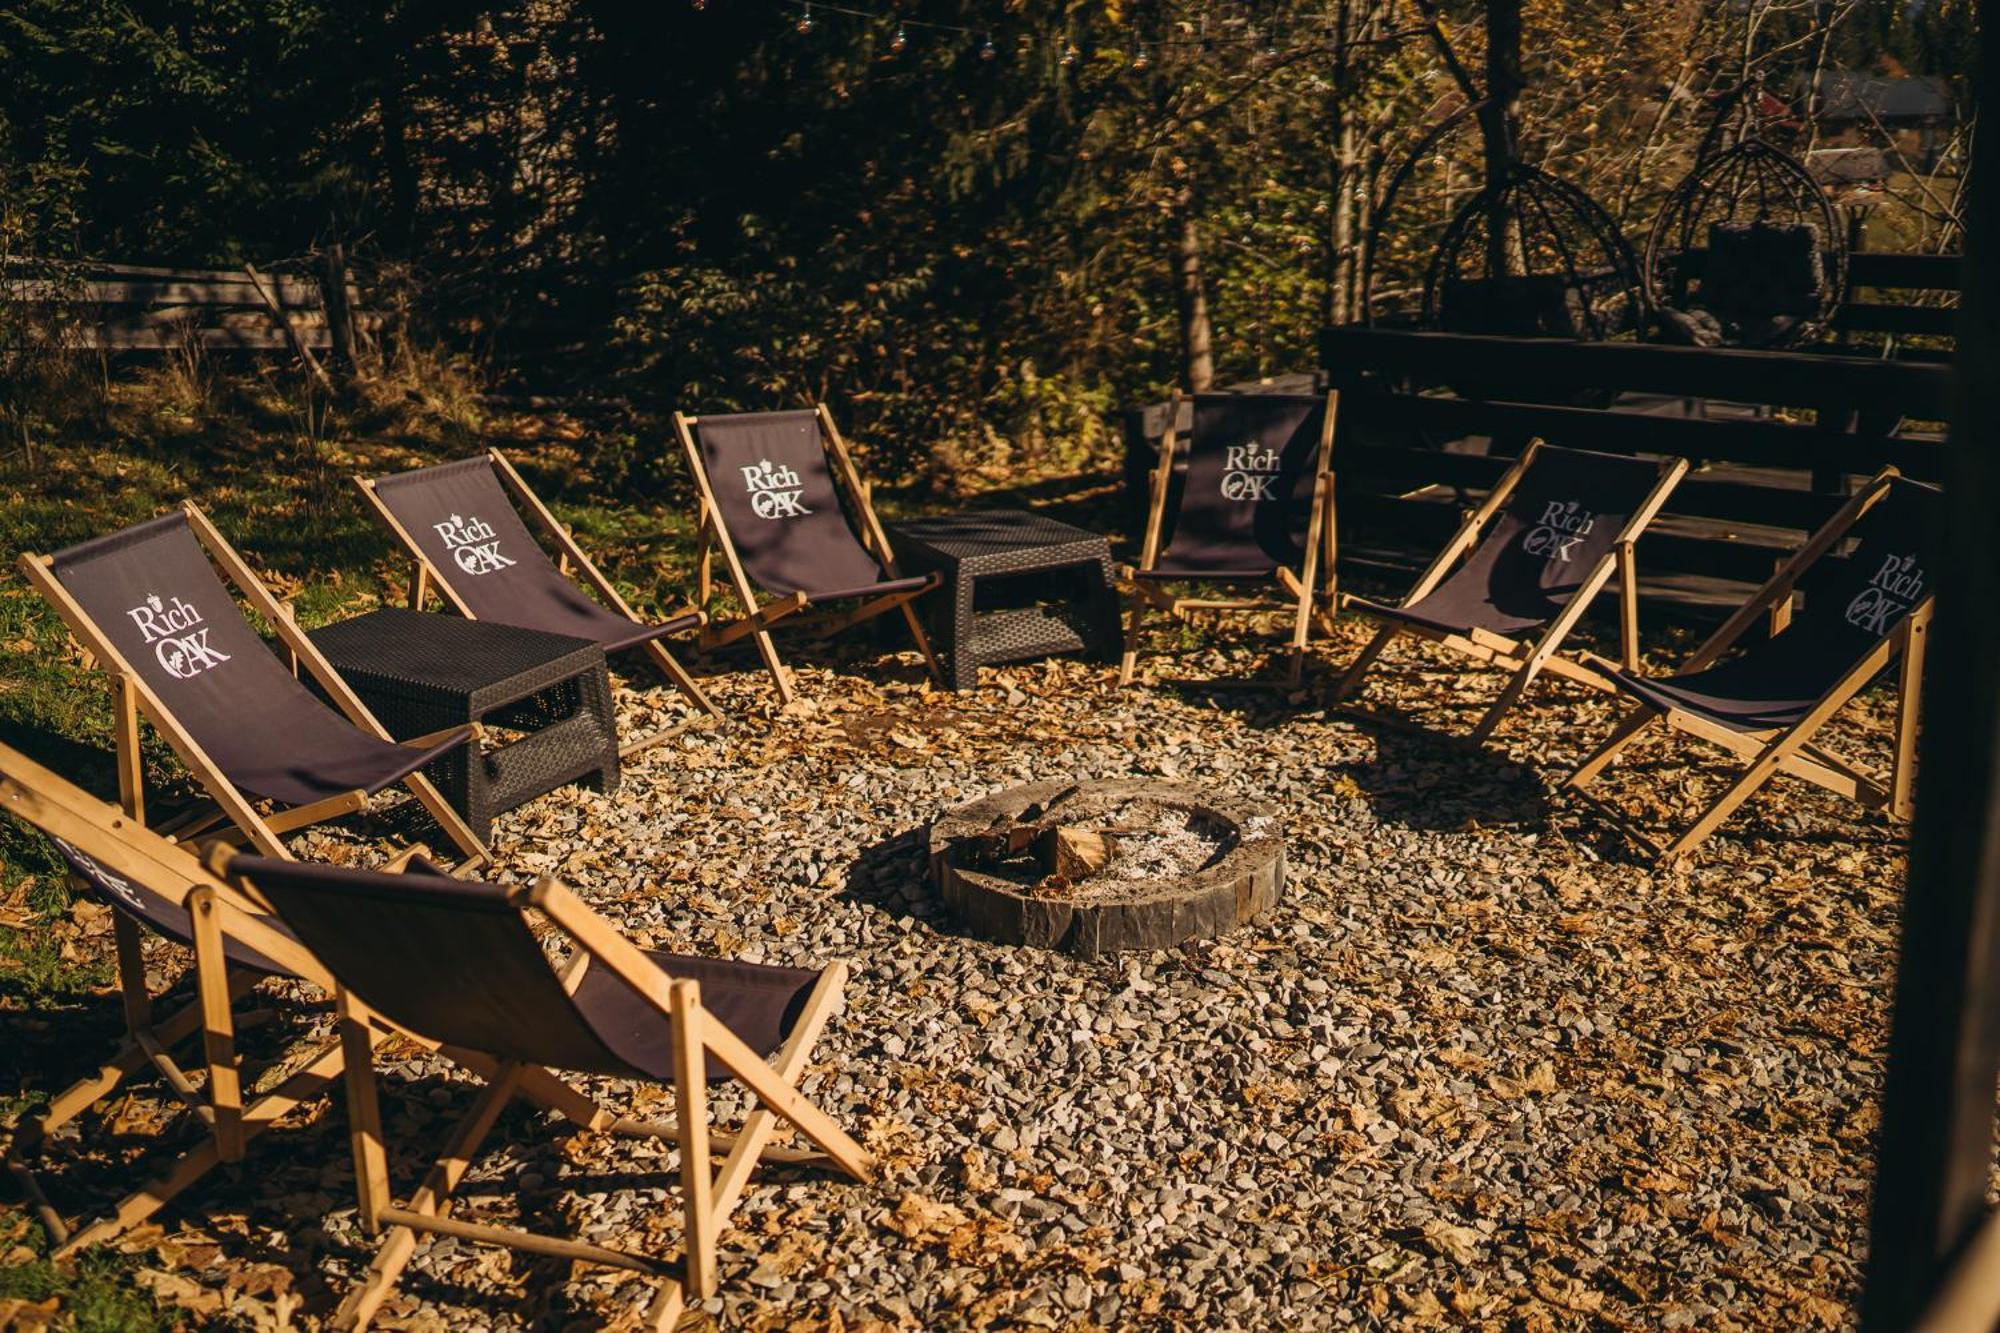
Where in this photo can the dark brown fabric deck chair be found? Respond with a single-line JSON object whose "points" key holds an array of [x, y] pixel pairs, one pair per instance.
{"points": [[461, 523], [458, 963], [1766, 703], [1536, 553], [771, 488], [1255, 506], [149, 606], [161, 887]]}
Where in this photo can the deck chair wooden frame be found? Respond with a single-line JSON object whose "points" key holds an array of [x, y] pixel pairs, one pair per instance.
{"points": [[571, 561], [707, 1199], [759, 616], [120, 842], [1789, 750], [1526, 660], [134, 699], [1304, 599]]}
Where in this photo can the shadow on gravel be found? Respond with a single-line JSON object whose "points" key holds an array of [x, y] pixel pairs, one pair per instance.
{"points": [[892, 876], [1436, 781]]}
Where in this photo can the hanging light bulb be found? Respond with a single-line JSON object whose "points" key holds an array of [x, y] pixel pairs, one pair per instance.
{"points": [[900, 42], [1070, 53], [1270, 44], [699, 5], [1140, 60], [987, 51], [805, 23]]}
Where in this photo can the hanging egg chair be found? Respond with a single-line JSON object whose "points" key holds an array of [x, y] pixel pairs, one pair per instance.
{"points": [[1747, 250], [1532, 256]]}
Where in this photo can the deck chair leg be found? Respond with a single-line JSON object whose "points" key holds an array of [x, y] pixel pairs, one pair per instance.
{"points": [[1622, 735], [364, 1119], [132, 993], [917, 632], [1516, 688], [758, 1126], [671, 668], [1722, 807], [448, 819], [1352, 679], [1135, 625], [225, 1084], [1909, 708], [691, 1106], [433, 1197], [1628, 605]]}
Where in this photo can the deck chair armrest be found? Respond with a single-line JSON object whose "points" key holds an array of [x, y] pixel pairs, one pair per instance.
{"points": [[1785, 581]]}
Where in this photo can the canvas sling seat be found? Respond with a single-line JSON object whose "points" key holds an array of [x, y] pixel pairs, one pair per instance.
{"points": [[461, 522], [1766, 699], [1526, 565], [782, 502], [148, 604], [458, 963], [1254, 505]]}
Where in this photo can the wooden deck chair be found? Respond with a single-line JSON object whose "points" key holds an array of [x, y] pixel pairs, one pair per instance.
{"points": [[1255, 506], [147, 604], [458, 963], [1536, 553], [770, 487], [462, 524], [1766, 703], [153, 885]]}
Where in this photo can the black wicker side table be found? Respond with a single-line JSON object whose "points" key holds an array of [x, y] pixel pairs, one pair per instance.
{"points": [[419, 672], [1016, 585]]}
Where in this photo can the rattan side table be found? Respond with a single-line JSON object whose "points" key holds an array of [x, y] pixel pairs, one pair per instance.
{"points": [[1017, 585], [419, 672]]}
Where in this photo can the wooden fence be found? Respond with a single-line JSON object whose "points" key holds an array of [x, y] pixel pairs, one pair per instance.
{"points": [[129, 307]]}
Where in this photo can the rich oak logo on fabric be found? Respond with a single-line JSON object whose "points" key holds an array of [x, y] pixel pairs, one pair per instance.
{"points": [[103, 877], [1896, 587], [472, 543], [774, 490], [1563, 524], [1249, 473], [175, 633]]}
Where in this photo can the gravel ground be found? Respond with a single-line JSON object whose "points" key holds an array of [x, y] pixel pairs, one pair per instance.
{"points": [[1479, 1066]]}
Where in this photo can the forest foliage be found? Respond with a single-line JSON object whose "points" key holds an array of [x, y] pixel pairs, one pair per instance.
{"points": [[975, 226]]}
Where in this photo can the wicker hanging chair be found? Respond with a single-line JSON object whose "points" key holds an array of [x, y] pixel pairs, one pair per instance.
{"points": [[1747, 250], [1532, 256]]}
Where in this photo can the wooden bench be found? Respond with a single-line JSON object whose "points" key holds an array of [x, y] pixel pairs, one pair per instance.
{"points": [[1429, 420]]}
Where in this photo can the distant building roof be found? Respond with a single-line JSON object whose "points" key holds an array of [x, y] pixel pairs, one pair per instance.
{"points": [[1848, 166], [1847, 96]]}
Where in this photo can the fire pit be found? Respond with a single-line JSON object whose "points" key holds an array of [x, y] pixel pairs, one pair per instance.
{"points": [[1092, 867]]}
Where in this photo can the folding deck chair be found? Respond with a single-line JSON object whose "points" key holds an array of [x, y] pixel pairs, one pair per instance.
{"points": [[1256, 506], [458, 963], [466, 534], [162, 887], [1537, 552], [1765, 704], [770, 485], [147, 604]]}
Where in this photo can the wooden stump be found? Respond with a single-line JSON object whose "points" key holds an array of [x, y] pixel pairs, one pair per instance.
{"points": [[1239, 883]]}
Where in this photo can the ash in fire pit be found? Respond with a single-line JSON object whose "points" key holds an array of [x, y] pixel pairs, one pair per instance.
{"points": [[1096, 866]]}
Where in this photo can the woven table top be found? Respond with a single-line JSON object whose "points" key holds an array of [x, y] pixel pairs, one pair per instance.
{"points": [[997, 539], [449, 654]]}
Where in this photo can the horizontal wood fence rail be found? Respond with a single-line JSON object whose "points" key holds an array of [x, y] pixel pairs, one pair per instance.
{"points": [[131, 307], [1428, 421]]}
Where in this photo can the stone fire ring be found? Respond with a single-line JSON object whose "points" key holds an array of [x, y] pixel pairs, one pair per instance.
{"points": [[1238, 884]]}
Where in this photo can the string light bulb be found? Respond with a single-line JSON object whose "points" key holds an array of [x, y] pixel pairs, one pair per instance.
{"points": [[1069, 55], [1140, 60], [988, 51], [805, 23], [699, 5], [900, 42]]}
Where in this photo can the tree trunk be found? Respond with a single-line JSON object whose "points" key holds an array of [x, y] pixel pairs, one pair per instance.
{"points": [[1344, 228], [1498, 124], [1197, 337]]}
